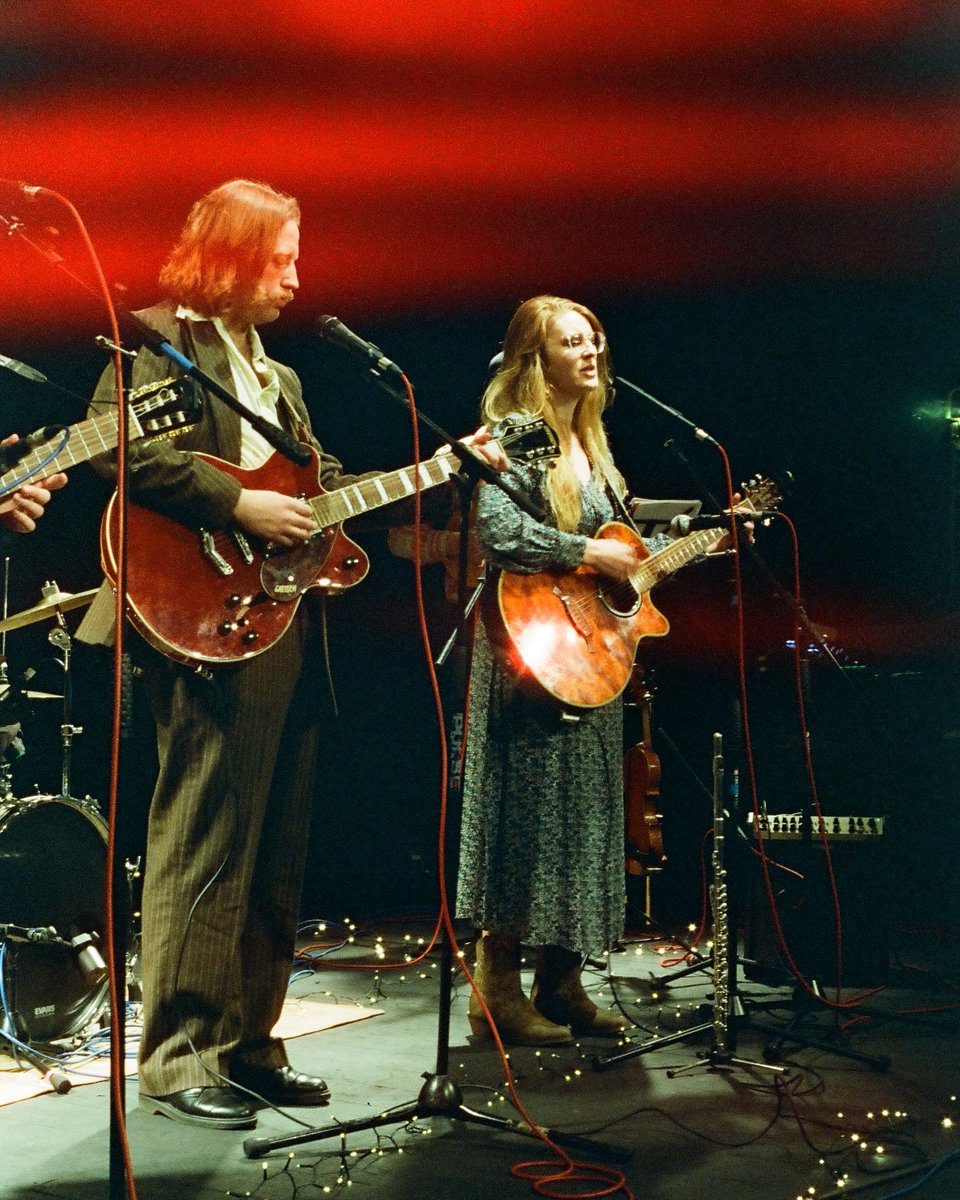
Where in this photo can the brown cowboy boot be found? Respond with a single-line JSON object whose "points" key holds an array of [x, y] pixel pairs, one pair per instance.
{"points": [[497, 975], [559, 995]]}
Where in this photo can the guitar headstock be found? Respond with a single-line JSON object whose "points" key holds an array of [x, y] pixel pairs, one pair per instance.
{"points": [[165, 408], [759, 495], [530, 441]]}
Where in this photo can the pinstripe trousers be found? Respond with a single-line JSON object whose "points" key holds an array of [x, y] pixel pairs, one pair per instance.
{"points": [[225, 859]]}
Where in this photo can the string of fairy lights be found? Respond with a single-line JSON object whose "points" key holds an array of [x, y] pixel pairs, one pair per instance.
{"points": [[851, 1150]]}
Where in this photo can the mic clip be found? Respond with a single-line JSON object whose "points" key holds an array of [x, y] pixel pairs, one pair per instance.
{"points": [[107, 344]]}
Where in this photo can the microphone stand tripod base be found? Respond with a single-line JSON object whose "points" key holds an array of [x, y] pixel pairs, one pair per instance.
{"points": [[720, 1060], [440, 1096]]}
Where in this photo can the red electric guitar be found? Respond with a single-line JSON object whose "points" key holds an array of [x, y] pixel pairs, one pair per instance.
{"points": [[217, 596]]}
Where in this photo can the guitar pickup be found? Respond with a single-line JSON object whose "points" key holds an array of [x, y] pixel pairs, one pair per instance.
{"points": [[212, 554], [242, 545]]}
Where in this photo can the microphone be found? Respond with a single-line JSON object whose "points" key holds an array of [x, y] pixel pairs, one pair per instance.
{"points": [[52, 1074], [333, 330], [88, 958], [20, 368], [683, 524], [82, 945], [45, 934]]}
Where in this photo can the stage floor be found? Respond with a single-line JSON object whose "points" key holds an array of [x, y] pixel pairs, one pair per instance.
{"points": [[736, 1132]]}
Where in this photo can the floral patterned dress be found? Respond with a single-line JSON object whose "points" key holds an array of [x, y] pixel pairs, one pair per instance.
{"points": [[542, 842]]}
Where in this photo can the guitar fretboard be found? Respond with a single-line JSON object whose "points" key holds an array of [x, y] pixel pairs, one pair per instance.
{"points": [[368, 494], [83, 441], [671, 558]]}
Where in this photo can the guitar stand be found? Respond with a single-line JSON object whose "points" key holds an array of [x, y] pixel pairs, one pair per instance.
{"points": [[440, 1095], [803, 1005]]}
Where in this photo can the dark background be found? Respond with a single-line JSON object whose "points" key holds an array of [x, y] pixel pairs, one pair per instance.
{"points": [[761, 207]]}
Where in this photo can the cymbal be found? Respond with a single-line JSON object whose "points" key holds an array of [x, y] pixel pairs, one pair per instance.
{"points": [[49, 606], [42, 696]]}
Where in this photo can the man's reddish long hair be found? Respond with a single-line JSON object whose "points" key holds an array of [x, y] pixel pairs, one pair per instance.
{"points": [[225, 245]]}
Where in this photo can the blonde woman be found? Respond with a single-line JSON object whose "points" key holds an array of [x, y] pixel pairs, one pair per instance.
{"points": [[542, 848]]}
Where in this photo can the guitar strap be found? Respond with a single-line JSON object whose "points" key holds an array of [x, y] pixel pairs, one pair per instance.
{"points": [[621, 508], [295, 422]]}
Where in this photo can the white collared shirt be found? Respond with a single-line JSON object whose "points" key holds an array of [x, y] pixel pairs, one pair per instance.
{"points": [[257, 386]]}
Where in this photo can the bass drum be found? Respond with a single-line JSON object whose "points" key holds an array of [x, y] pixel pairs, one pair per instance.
{"points": [[53, 865]]}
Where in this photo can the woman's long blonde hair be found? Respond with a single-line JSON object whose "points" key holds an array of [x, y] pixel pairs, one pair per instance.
{"points": [[520, 386]]}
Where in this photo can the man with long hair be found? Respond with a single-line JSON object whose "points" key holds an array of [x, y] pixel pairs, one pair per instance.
{"points": [[227, 833], [226, 839]]}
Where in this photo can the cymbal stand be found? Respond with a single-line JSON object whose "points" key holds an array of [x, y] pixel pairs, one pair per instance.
{"points": [[60, 638], [728, 1016], [12, 732], [6, 768]]}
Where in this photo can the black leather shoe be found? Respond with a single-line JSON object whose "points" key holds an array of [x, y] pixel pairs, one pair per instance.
{"points": [[214, 1107], [281, 1085]]}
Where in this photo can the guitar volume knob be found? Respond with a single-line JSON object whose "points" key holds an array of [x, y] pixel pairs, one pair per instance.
{"points": [[250, 636]]}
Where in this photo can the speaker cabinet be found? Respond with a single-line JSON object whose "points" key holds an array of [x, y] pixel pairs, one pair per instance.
{"points": [[804, 904]]}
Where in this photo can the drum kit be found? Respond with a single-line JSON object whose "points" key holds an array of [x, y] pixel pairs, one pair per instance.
{"points": [[52, 869]]}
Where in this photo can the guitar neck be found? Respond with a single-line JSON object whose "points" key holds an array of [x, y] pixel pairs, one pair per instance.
{"points": [[671, 558], [336, 507], [83, 441]]}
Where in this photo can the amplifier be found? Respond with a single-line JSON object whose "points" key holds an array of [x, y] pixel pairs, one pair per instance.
{"points": [[858, 854], [790, 827]]}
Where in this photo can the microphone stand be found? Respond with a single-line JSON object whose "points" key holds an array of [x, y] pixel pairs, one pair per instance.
{"points": [[440, 1095], [121, 1183]]}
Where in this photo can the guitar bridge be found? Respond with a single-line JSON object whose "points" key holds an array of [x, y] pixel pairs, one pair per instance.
{"points": [[569, 608], [242, 545], [212, 554]]}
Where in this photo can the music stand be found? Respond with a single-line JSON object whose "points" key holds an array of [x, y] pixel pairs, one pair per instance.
{"points": [[656, 516]]}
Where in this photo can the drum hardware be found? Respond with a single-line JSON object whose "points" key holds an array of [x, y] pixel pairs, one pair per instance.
{"points": [[59, 637], [11, 744], [52, 978], [134, 971], [11, 748], [53, 849], [83, 945], [53, 604]]}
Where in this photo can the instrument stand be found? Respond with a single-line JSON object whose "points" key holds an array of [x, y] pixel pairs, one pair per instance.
{"points": [[729, 1016], [703, 962], [440, 1095], [59, 637], [9, 740], [804, 1006]]}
